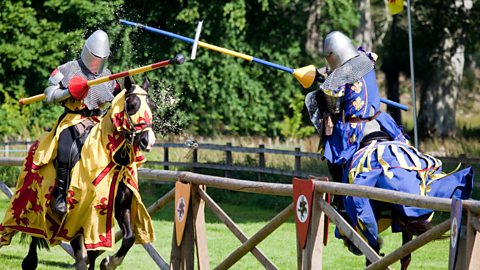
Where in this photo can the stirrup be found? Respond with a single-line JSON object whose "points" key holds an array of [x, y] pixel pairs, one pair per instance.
{"points": [[60, 206]]}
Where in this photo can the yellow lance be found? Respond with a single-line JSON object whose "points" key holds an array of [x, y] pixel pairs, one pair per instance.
{"points": [[305, 75]]}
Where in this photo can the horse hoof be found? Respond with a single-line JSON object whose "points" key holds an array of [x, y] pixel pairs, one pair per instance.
{"points": [[110, 263], [81, 266]]}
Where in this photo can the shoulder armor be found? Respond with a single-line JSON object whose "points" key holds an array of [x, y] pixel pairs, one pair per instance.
{"points": [[56, 77]]}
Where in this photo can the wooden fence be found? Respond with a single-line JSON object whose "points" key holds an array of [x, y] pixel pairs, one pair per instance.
{"points": [[229, 166], [183, 256], [7, 148]]}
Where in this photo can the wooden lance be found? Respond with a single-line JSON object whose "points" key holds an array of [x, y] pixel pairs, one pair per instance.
{"points": [[305, 75], [178, 59]]}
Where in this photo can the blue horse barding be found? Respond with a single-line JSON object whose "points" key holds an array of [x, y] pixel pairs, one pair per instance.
{"points": [[398, 166]]}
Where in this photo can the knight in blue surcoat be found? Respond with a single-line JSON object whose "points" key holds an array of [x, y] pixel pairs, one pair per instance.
{"points": [[365, 146]]}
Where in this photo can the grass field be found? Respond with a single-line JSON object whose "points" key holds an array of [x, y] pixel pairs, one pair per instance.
{"points": [[280, 246]]}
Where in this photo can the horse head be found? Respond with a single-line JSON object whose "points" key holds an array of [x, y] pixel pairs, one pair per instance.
{"points": [[134, 118]]}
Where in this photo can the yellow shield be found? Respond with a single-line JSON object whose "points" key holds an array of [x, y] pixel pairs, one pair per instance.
{"points": [[182, 201]]}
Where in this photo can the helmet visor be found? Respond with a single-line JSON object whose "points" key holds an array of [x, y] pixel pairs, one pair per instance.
{"points": [[94, 64]]}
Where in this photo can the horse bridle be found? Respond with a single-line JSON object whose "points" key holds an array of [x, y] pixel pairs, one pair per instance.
{"points": [[131, 135]]}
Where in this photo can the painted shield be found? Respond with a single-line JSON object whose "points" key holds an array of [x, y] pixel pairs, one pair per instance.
{"points": [[182, 201], [302, 196], [456, 224]]}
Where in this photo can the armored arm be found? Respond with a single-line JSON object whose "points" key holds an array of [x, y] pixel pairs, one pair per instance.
{"points": [[56, 92]]}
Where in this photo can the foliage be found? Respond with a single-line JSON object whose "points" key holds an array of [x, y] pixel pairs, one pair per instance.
{"points": [[340, 15], [216, 94], [9, 175], [25, 121], [37, 36], [291, 127], [168, 120]]}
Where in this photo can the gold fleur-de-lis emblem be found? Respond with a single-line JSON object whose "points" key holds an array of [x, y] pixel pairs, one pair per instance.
{"points": [[353, 125], [358, 103], [357, 87], [353, 138]]}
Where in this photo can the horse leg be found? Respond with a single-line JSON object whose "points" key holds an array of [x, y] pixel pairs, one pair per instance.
{"points": [[92, 256], [31, 260], [405, 261], [80, 253], [123, 202]]}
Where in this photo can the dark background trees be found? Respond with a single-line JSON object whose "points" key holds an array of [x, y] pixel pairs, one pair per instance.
{"points": [[218, 94]]}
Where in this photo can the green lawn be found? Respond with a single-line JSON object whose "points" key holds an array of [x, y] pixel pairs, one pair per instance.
{"points": [[280, 246]]}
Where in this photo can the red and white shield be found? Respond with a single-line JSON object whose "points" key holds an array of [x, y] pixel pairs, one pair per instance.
{"points": [[302, 196]]}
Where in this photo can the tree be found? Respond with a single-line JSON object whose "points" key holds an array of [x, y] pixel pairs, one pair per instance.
{"points": [[365, 33], [446, 40], [37, 36]]}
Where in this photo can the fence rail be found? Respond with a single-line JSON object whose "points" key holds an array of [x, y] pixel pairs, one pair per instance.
{"points": [[229, 166]]}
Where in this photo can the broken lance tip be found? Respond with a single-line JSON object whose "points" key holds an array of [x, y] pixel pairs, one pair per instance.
{"points": [[178, 59]]}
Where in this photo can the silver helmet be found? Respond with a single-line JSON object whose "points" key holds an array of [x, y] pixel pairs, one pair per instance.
{"points": [[338, 49], [96, 51]]}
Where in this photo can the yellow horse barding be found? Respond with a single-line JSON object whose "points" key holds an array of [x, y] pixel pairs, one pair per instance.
{"points": [[104, 185]]}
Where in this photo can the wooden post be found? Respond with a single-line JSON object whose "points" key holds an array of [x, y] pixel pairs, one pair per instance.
{"points": [[265, 231], [195, 159], [475, 262], [6, 190], [298, 165], [182, 257], [461, 262], [261, 161], [228, 158], [235, 229], [419, 241], [198, 210], [311, 256], [471, 242], [165, 157], [156, 257], [348, 231], [7, 148]]}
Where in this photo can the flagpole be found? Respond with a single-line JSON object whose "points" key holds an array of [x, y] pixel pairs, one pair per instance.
{"points": [[412, 75]]}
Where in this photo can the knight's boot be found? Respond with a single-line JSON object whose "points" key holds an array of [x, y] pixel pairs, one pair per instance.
{"points": [[63, 181]]}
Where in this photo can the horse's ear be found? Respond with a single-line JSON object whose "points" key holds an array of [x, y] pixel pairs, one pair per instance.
{"points": [[129, 83], [146, 83]]}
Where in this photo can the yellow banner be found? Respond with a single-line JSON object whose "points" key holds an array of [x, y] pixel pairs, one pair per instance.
{"points": [[395, 6]]}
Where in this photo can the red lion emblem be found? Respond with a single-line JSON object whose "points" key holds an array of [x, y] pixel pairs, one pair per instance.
{"points": [[27, 194]]}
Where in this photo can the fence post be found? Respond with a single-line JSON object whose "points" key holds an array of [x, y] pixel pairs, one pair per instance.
{"points": [[183, 256], [470, 239], [261, 161], [200, 231], [165, 157], [7, 148], [195, 159], [311, 257], [228, 159], [297, 166]]}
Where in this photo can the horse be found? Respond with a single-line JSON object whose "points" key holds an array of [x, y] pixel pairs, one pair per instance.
{"points": [[394, 165], [103, 186], [365, 146]]}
